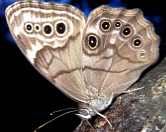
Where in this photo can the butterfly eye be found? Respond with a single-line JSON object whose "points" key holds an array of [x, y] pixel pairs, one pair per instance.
{"points": [[92, 41], [127, 31], [37, 27], [105, 25], [137, 42], [29, 27], [47, 29], [118, 24]]}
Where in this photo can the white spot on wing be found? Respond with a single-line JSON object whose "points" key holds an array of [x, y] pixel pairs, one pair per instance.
{"points": [[31, 54]]}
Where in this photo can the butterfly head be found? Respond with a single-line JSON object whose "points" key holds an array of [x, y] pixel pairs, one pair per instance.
{"points": [[95, 105], [85, 113]]}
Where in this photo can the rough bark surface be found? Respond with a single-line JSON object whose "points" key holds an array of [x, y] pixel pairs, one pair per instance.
{"points": [[139, 111]]}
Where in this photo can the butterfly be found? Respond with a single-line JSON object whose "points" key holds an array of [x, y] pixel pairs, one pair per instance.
{"points": [[90, 60]]}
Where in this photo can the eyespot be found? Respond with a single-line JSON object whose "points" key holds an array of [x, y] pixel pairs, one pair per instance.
{"points": [[127, 31], [92, 41], [142, 55], [105, 25], [37, 27], [60, 28], [47, 29], [117, 24], [29, 27], [137, 42]]}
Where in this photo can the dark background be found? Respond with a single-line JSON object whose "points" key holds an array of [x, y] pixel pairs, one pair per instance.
{"points": [[27, 98]]}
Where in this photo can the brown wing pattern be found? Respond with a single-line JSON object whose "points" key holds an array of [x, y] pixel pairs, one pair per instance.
{"points": [[125, 46], [50, 37], [104, 55]]}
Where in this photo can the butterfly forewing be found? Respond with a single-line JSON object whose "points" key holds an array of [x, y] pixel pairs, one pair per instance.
{"points": [[50, 37]]}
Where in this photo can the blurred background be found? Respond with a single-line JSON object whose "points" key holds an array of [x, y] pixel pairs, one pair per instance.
{"points": [[27, 98]]}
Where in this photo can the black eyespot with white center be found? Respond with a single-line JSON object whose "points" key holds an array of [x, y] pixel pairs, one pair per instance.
{"points": [[118, 24], [29, 27], [137, 42], [92, 41], [60, 27], [105, 25], [127, 31]]}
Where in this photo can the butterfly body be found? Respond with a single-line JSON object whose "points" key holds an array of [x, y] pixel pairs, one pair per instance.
{"points": [[90, 60]]}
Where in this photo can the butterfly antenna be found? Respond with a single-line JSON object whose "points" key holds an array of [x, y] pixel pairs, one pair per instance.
{"points": [[62, 110], [55, 118]]}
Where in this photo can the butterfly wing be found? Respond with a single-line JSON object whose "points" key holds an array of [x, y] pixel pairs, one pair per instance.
{"points": [[50, 36], [121, 44], [105, 56]]}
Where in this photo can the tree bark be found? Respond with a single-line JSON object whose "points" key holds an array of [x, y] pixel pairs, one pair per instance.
{"points": [[138, 111]]}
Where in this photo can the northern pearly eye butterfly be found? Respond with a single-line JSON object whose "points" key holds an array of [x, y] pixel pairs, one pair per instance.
{"points": [[90, 60]]}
